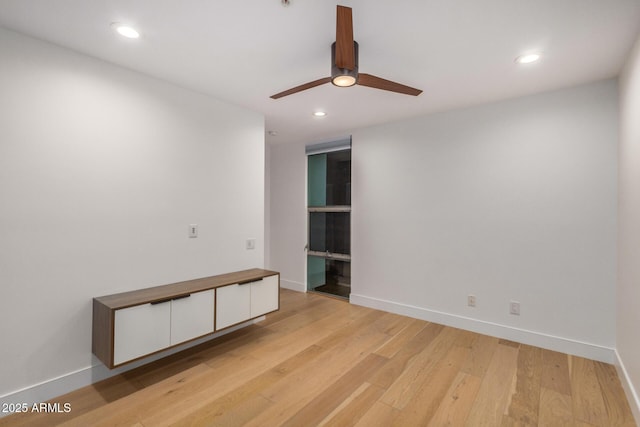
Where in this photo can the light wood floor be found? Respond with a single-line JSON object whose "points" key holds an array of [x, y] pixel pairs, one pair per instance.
{"points": [[321, 361]]}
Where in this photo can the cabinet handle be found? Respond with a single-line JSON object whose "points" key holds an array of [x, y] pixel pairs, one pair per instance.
{"points": [[246, 282], [181, 297], [162, 301]]}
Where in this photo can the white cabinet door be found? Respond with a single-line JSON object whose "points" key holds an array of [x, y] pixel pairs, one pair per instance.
{"points": [[264, 296], [141, 330], [233, 305], [192, 316]]}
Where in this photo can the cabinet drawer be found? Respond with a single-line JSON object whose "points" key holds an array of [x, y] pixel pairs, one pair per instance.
{"points": [[265, 296], [233, 305], [141, 330], [192, 316]]}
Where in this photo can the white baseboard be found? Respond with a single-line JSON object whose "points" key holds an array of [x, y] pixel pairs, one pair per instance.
{"points": [[538, 339], [629, 389], [55, 387], [293, 285]]}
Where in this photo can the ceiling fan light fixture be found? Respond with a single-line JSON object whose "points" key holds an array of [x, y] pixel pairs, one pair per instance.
{"points": [[343, 77], [344, 80]]}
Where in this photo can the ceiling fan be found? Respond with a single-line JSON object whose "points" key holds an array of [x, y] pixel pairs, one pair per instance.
{"points": [[344, 63]]}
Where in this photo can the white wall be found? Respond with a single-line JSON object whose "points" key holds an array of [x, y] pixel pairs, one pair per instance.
{"points": [[288, 214], [628, 296], [101, 172], [510, 201]]}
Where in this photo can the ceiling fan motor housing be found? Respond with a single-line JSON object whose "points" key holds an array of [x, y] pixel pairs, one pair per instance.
{"points": [[337, 72]]}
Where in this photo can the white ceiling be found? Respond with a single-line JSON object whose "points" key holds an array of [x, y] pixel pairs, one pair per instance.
{"points": [[460, 52]]}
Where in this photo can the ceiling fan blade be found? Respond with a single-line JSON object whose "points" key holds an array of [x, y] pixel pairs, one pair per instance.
{"points": [[301, 87], [345, 55], [379, 83]]}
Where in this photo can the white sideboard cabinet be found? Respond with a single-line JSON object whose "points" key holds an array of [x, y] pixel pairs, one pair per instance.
{"points": [[132, 325]]}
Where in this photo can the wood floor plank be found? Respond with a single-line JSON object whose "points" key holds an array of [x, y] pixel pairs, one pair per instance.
{"points": [[494, 393], [618, 410], [291, 305], [456, 405], [316, 410], [390, 348], [555, 372], [321, 361], [309, 316], [354, 328], [395, 324], [399, 361], [295, 340], [352, 409], [431, 392], [482, 350], [403, 389], [586, 394], [251, 409], [380, 414], [524, 404], [465, 339], [556, 409]]}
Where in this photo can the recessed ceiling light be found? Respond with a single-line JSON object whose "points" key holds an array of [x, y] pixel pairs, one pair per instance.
{"points": [[319, 113], [528, 58], [125, 30]]}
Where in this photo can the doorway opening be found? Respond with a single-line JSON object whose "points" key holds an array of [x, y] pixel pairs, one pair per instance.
{"points": [[329, 221]]}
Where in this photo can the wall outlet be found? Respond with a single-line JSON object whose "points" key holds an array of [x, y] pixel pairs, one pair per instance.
{"points": [[251, 244], [193, 230], [471, 300], [514, 308]]}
